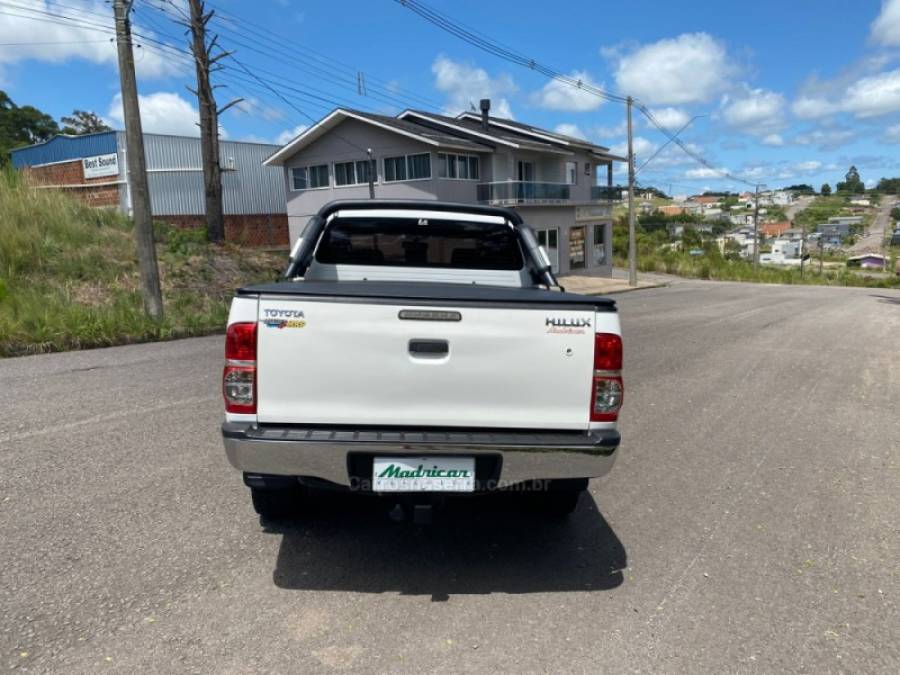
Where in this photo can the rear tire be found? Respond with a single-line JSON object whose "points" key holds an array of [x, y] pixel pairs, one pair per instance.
{"points": [[560, 498], [276, 504]]}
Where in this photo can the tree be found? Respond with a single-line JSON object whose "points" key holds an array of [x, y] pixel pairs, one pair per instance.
{"points": [[83, 122], [22, 126], [826, 189], [889, 186], [690, 238], [732, 250], [852, 183]]}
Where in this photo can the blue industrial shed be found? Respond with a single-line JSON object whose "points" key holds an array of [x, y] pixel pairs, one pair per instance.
{"points": [[93, 167]]}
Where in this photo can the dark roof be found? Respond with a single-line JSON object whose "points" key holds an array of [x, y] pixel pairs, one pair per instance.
{"points": [[498, 133], [527, 128], [420, 130]]}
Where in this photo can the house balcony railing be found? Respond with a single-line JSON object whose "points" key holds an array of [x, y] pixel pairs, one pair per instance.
{"points": [[512, 192]]}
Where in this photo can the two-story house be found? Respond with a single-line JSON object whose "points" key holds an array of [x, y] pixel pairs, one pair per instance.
{"points": [[551, 178]]}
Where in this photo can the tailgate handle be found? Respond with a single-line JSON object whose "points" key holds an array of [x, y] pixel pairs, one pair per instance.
{"points": [[429, 347]]}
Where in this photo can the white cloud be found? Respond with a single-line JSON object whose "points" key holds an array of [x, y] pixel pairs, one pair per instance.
{"points": [[813, 107], [671, 118], [868, 96], [892, 134], [643, 148], [557, 95], [161, 113], [288, 135], [885, 29], [808, 166], [690, 68], [704, 172], [253, 106], [572, 130], [825, 139], [464, 85], [59, 40], [773, 140], [758, 112], [875, 95], [608, 132]]}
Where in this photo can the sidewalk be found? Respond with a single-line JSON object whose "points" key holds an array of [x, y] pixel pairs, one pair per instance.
{"points": [[604, 285]]}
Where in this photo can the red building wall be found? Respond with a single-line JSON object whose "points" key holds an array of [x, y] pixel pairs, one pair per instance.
{"points": [[249, 230]]}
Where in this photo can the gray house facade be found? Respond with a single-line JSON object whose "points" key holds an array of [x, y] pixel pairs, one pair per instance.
{"points": [[551, 179]]}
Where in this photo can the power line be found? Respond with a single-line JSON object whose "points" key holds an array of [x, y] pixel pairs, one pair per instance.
{"points": [[334, 72], [266, 33], [60, 42], [673, 138], [491, 46], [487, 44], [299, 110]]}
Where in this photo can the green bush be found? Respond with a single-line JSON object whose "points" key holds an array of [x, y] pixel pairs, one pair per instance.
{"points": [[69, 276]]}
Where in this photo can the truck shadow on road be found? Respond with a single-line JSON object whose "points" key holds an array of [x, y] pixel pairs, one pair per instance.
{"points": [[488, 545]]}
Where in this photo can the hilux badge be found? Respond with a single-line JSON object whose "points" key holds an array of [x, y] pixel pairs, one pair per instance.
{"points": [[568, 325]]}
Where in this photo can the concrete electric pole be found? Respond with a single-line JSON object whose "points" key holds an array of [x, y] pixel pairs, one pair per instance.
{"points": [[632, 244], [205, 63], [137, 166]]}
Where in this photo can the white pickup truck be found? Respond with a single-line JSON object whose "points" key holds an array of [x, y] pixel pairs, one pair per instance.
{"points": [[416, 349]]}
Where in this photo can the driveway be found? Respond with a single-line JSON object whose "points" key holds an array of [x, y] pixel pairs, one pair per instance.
{"points": [[750, 524]]}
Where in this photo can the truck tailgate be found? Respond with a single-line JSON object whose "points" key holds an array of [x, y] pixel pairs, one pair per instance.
{"points": [[357, 362]]}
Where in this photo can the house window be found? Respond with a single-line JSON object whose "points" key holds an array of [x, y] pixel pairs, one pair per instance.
{"points": [[407, 167], [299, 178], [571, 173], [309, 177], [353, 173], [344, 173], [395, 168], [465, 167], [418, 166], [363, 168], [549, 240], [599, 244]]}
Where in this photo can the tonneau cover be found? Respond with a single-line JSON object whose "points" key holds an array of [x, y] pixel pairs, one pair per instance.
{"points": [[430, 292]]}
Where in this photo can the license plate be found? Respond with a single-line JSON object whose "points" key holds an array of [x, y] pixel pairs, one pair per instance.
{"points": [[423, 474]]}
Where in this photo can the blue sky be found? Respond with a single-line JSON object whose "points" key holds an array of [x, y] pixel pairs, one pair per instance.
{"points": [[791, 91]]}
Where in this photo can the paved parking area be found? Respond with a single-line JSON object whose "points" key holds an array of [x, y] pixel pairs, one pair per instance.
{"points": [[750, 525]]}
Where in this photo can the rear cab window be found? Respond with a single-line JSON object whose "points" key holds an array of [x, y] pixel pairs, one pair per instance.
{"points": [[419, 242]]}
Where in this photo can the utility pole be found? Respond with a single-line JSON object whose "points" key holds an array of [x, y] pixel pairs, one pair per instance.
{"points": [[137, 166], [802, 246], [371, 174], [205, 63], [756, 231], [632, 244]]}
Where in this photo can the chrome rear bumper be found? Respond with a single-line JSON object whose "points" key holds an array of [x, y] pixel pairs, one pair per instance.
{"points": [[325, 453]]}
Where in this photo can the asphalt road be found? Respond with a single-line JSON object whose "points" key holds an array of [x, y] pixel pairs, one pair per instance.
{"points": [[873, 240], [751, 523]]}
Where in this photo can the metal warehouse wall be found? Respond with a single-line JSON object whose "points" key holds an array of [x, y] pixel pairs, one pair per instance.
{"points": [[176, 177], [65, 148]]}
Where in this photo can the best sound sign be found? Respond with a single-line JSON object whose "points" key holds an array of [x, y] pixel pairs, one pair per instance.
{"points": [[101, 165]]}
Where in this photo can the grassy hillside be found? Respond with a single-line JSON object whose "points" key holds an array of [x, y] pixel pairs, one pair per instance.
{"points": [[69, 275]]}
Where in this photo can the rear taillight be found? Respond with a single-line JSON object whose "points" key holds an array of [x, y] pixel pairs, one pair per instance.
{"points": [[239, 376], [607, 390]]}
